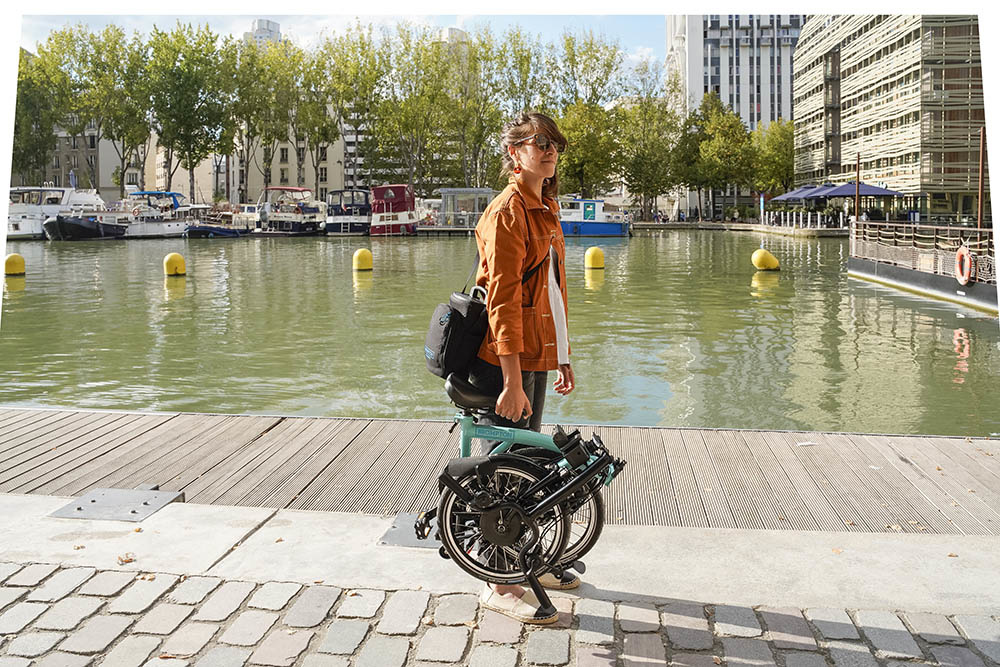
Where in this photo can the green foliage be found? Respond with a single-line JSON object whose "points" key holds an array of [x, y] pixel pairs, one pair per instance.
{"points": [[775, 170], [586, 69], [250, 93], [35, 118], [525, 83], [727, 155], [589, 165]]}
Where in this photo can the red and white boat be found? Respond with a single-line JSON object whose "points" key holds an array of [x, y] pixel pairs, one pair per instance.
{"points": [[394, 211]]}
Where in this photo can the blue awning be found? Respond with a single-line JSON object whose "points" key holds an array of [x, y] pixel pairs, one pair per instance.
{"points": [[865, 190]]}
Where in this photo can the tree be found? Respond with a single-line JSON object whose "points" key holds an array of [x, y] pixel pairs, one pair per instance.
{"points": [[190, 92], [649, 131], [35, 119], [586, 68], [728, 153], [318, 125], [775, 145], [249, 101], [281, 74], [525, 83], [590, 164]]}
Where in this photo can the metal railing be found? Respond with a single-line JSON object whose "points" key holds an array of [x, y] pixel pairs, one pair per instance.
{"points": [[926, 248], [450, 221]]}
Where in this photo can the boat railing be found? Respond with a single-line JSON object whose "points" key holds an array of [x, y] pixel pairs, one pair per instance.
{"points": [[451, 219], [925, 248]]}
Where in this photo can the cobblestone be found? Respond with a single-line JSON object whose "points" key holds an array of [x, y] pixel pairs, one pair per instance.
{"points": [[361, 604], [274, 596], [833, 623], [804, 660], [692, 660], [687, 626], [456, 609], [59, 659], [383, 651], [224, 656], [638, 617], [141, 595], [787, 629], [851, 654], [132, 651], [163, 619], [643, 649], [493, 656], [16, 618], [318, 660], [956, 656], [282, 648], [740, 651], [499, 629], [190, 639], [31, 575], [193, 590], [224, 601], [736, 621], [403, 612], [7, 569], [597, 622], [547, 647], [96, 634], [106, 584], [249, 628], [9, 595], [34, 644], [597, 656], [934, 628], [443, 644], [67, 614], [344, 636], [61, 584], [983, 632], [313, 606], [11, 661], [888, 634]]}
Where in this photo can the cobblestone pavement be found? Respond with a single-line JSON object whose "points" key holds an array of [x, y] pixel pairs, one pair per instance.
{"points": [[76, 616]]}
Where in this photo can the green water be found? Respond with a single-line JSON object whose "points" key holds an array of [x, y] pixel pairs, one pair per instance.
{"points": [[680, 331]]}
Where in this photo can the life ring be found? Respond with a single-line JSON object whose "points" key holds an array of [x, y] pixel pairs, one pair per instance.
{"points": [[963, 266], [135, 212]]}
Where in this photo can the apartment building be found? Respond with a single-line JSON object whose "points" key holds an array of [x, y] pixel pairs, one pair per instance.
{"points": [[902, 92]]}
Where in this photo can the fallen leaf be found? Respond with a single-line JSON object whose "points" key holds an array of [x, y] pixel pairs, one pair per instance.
{"points": [[127, 558], [167, 656], [939, 468], [805, 444], [952, 555], [353, 594], [427, 620], [972, 490], [912, 523], [781, 518], [848, 523], [895, 526], [138, 530], [78, 547], [471, 624], [921, 528], [716, 659], [280, 539], [838, 551], [319, 581]]}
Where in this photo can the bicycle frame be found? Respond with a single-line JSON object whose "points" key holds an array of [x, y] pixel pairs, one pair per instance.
{"points": [[507, 436]]}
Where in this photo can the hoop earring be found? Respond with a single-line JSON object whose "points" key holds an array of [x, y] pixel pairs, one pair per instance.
{"points": [[517, 169]]}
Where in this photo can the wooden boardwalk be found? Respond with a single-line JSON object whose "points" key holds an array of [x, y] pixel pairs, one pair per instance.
{"points": [[675, 477]]}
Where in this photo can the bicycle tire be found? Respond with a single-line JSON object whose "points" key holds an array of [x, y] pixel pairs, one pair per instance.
{"points": [[457, 526]]}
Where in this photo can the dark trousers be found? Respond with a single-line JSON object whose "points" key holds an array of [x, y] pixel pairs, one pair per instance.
{"points": [[488, 379]]}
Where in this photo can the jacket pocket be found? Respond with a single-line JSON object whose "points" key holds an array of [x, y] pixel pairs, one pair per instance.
{"points": [[532, 333]]}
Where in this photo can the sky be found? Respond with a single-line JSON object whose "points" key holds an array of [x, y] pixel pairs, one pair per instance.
{"points": [[639, 35]]}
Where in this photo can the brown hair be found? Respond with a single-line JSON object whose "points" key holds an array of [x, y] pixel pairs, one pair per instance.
{"points": [[523, 126]]}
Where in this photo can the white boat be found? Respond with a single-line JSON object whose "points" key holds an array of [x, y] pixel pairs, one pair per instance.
{"points": [[289, 211], [586, 217], [31, 206], [394, 211], [348, 213], [245, 216], [156, 214]]}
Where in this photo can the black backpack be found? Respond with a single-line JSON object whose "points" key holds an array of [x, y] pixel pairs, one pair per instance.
{"points": [[458, 327]]}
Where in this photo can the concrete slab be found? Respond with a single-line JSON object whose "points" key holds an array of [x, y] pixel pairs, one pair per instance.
{"points": [[179, 539], [339, 549]]}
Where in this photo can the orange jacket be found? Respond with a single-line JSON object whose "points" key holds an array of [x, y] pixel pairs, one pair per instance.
{"points": [[514, 234]]}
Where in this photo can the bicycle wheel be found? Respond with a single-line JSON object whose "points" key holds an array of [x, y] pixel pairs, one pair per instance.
{"points": [[586, 519], [471, 538]]}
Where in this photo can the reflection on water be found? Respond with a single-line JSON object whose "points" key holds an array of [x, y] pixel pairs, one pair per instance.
{"points": [[679, 329]]}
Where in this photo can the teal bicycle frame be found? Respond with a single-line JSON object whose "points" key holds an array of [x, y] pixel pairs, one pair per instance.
{"points": [[509, 437]]}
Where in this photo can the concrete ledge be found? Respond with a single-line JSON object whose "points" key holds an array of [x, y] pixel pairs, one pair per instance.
{"points": [[741, 227]]}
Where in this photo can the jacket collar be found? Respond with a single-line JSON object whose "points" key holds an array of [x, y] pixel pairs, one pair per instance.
{"points": [[530, 200]]}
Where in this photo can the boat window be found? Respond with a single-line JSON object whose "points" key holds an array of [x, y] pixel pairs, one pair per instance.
{"points": [[570, 205]]}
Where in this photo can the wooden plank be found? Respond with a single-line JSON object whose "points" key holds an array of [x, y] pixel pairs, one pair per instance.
{"points": [[690, 508], [713, 496], [71, 434], [945, 503], [795, 512], [749, 491], [963, 452], [34, 429]]}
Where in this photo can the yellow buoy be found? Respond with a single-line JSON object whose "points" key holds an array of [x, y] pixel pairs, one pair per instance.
{"points": [[173, 265], [174, 287], [14, 284], [13, 265], [362, 259], [594, 259], [593, 278], [764, 260]]}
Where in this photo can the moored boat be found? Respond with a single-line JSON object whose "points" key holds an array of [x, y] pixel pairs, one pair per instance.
{"points": [[31, 206], [155, 214], [289, 211], [586, 217], [394, 211], [84, 227], [349, 213]]}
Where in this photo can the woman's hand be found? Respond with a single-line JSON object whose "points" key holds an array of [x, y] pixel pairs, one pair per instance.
{"points": [[513, 403], [565, 381]]}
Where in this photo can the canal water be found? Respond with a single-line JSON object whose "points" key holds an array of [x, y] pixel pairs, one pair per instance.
{"points": [[679, 331]]}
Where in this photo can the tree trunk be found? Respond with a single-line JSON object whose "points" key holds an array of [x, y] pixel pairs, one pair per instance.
{"points": [[170, 171], [191, 184]]}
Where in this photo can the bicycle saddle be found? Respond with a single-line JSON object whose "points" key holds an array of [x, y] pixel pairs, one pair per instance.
{"points": [[464, 395]]}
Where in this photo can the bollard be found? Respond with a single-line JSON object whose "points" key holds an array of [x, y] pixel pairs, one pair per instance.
{"points": [[173, 265], [362, 260], [13, 265]]}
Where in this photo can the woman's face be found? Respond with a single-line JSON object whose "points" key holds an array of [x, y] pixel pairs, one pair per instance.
{"points": [[535, 162]]}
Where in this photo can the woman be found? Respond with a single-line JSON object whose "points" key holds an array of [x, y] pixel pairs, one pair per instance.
{"points": [[519, 235]]}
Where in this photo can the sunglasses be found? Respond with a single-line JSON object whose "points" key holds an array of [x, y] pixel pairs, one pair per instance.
{"points": [[543, 142]]}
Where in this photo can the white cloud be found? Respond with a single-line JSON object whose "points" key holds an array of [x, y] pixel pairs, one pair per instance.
{"points": [[639, 53]]}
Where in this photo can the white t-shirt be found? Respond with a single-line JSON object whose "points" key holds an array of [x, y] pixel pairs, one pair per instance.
{"points": [[558, 311]]}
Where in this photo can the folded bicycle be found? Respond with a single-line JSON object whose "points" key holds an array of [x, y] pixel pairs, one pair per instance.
{"points": [[532, 506]]}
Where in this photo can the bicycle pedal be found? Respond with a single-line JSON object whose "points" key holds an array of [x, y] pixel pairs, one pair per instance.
{"points": [[579, 566], [443, 553]]}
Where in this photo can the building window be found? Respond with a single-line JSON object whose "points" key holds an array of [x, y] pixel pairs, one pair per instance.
{"points": [[284, 175], [93, 141], [91, 160], [56, 181], [55, 161], [75, 161], [131, 178], [322, 194], [243, 176], [322, 174], [300, 154], [322, 154], [284, 156], [74, 142]]}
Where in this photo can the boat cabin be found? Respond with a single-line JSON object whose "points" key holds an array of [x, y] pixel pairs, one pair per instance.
{"points": [[581, 210], [349, 203], [393, 199], [462, 207]]}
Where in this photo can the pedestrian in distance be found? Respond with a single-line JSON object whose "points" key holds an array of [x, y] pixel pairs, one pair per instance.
{"points": [[519, 232]]}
